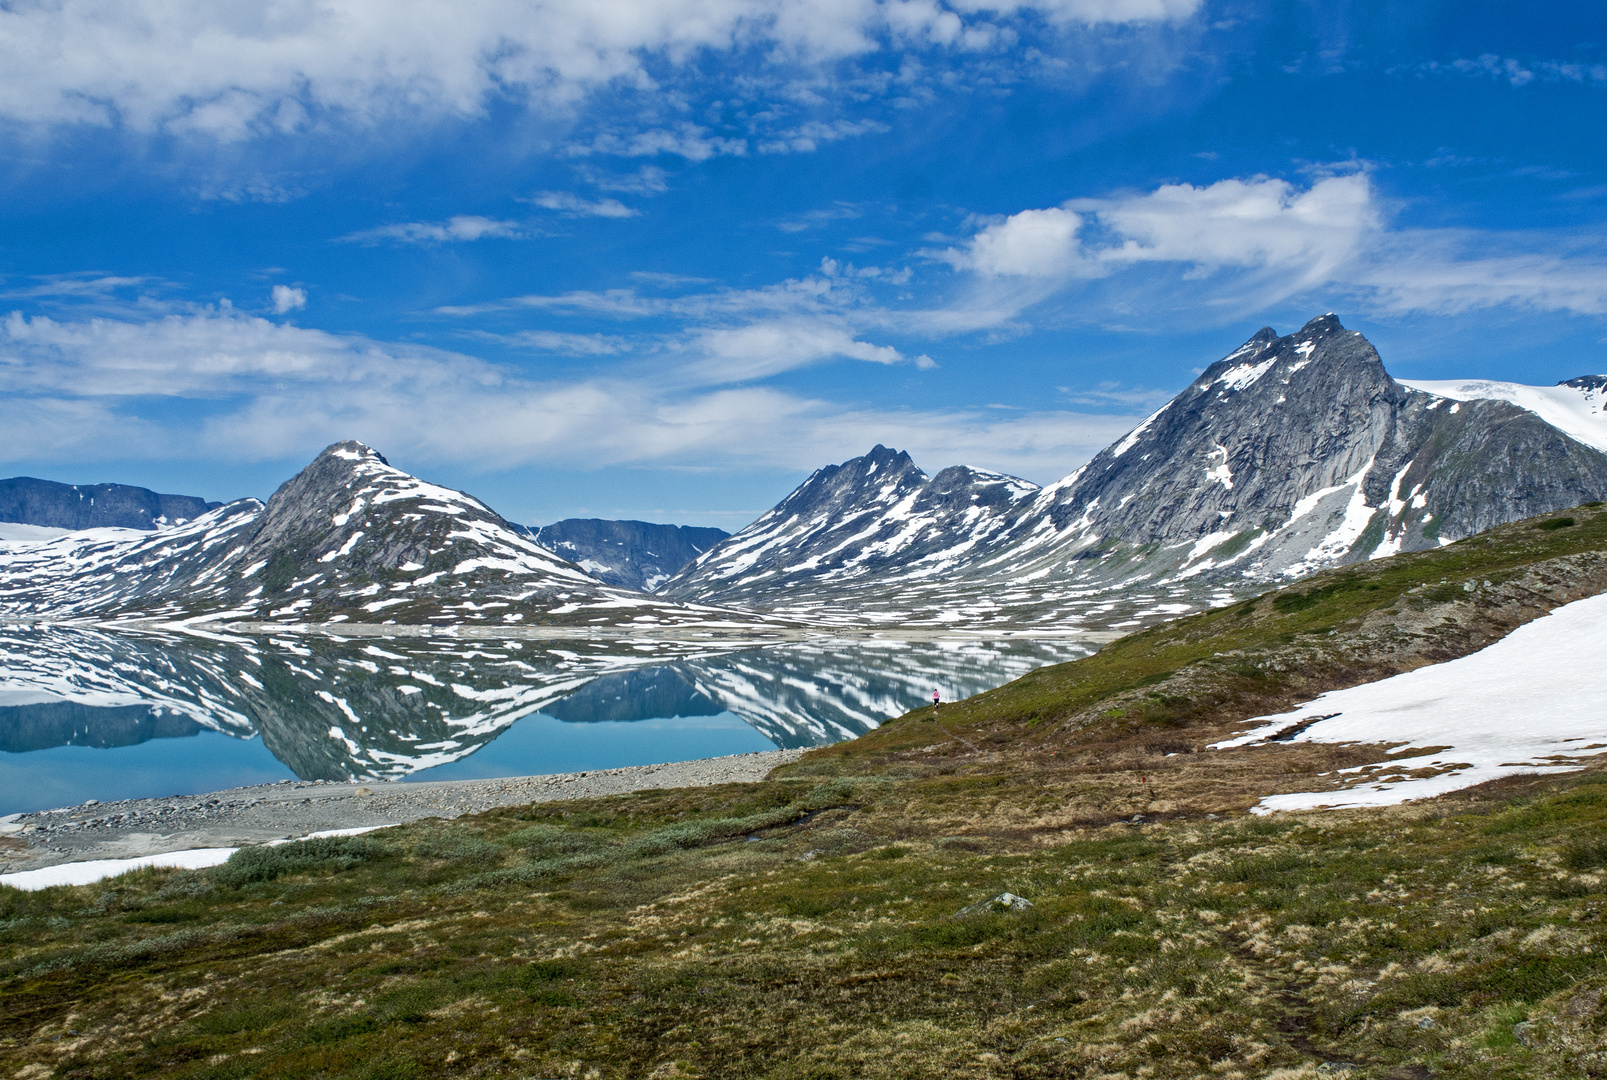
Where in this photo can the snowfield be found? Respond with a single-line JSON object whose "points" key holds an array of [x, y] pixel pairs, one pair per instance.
{"points": [[1574, 410], [1534, 702]]}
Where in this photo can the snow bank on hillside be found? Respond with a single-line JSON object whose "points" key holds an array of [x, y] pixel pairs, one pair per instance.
{"points": [[1574, 410], [92, 870], [1534, 702]]}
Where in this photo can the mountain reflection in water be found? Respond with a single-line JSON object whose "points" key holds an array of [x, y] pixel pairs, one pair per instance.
{"points": [[389, 708]]}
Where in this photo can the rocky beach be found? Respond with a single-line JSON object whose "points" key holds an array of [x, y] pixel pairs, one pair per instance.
{"points": [[266, 812]]}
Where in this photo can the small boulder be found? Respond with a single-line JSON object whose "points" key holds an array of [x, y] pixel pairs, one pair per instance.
{"points": [[1005, 901]]}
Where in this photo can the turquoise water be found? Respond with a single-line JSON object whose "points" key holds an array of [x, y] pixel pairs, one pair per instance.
{"points": [[87, 714], [540, 744], [69, 775]]}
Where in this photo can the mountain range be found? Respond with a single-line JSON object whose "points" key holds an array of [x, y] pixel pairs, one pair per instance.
{"points": [[349, 538], [632, 554], [1290, 454], [47, 504]]}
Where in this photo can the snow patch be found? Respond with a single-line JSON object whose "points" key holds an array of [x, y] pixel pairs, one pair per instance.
{"points": [[1530, 703]]}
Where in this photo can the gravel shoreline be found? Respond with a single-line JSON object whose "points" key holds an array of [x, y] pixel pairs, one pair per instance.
{"points": [[291, 808]]}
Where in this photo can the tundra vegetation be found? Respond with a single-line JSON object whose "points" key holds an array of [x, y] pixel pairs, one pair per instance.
{"points": [[810, 926]]}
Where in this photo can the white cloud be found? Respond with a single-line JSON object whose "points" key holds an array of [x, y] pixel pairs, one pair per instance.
{"points": [[690, 141], [1245, 243], [575, 206], [554, 341], [1262, 222], [79, 389], [648, 180], [760, 349], [806, 138], [1518, 73], [287, 299], [1089, 11], [234, 71], [462, 227], [1033, 243]]}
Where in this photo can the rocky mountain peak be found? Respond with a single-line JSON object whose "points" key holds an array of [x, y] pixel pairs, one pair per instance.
{"points": [[881, 477], [1586, 382], [1262, 428], [848, 523]]}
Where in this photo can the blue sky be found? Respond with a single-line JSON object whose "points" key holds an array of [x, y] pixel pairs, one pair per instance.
{"points": [[661, 259]]}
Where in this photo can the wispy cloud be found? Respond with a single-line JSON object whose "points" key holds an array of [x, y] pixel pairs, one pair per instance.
{"points": [[463, 227], [573, 205], [806, 138], [686, 140], [761, 349], [648, 180], [1513, 71], [554, 341], [75, 286], [814, 219], [86, 388]]}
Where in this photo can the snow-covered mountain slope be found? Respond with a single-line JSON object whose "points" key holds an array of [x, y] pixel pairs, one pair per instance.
{"points": [[631, 554], [1300, 452], [1530, 703], [349, 537], [1288, 455], [25, 500], [1576, 407], [853, 523]]}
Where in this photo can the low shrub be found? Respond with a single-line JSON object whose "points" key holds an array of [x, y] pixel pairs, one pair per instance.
{"points": [[459, 849], [327, 855]]}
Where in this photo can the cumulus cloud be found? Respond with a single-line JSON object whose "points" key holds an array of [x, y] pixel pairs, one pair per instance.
{"points": [[1033, 243], [86, 388], [1250, 242], [232, 72], [463, 227], [1262, 222], [287, 299]]}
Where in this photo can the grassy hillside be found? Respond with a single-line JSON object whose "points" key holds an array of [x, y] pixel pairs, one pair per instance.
{"points": [[812, 926]]}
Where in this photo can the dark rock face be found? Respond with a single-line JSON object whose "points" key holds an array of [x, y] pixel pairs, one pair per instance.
{"points": [[27, 501], [853, 522], [631, 554], [1298, 452]]}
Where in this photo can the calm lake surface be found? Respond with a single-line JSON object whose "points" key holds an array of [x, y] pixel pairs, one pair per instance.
{"points": [[92, 715]]}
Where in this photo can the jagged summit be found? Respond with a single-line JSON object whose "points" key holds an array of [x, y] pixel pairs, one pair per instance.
{"points": [[350, 537], [1266, 426], [1289, 454], [852, 522]]}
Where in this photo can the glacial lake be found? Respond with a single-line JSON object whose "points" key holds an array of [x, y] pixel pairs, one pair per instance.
{"points": [[87, 714]]}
